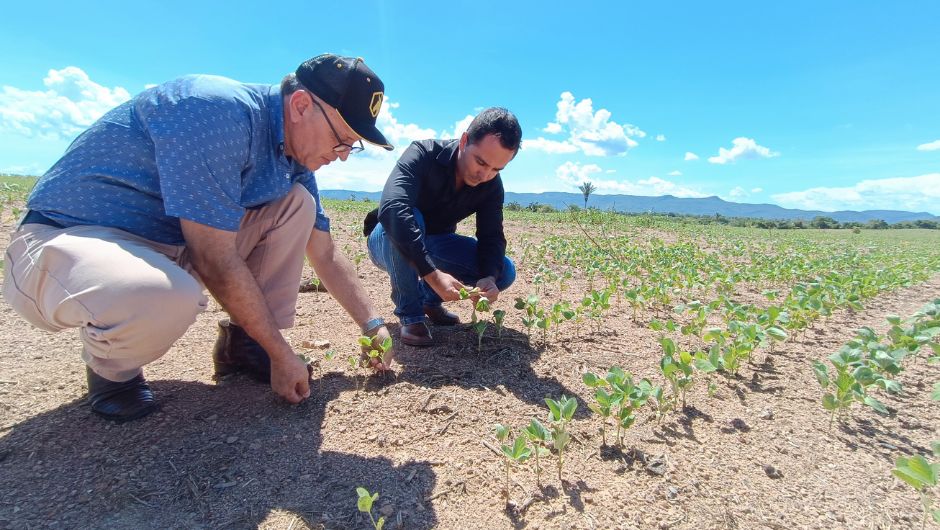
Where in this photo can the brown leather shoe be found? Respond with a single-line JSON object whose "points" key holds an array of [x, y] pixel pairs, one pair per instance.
{"points": [[235, 351], [441, 316], [416, 334]]}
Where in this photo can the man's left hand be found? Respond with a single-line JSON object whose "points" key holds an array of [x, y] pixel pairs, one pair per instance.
{"points": [[378, 338], [488, 288]]}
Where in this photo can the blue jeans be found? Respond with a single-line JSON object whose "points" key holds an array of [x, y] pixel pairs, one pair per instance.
{"points": [[454, 254]]}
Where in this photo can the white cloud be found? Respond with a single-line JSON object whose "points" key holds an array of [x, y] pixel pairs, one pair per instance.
{"points": [[932, 146], [920, 193], [70, 104], [593, 133], [660, 137], [737, 193], [549, 146], [690, 156], [675, 173], [757, 190], [23, 169], [742, 148], [369, 170], [459, 128], [573, 174], [397, 133]]}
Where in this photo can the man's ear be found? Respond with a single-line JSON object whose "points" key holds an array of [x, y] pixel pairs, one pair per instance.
{"points": [[463, 141], [299, 103]]}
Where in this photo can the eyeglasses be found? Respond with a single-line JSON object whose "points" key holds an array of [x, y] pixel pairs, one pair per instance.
{"points": [[341, 147]]}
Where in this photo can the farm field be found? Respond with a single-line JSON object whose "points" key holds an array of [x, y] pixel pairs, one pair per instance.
{"points": [[732, 330]]}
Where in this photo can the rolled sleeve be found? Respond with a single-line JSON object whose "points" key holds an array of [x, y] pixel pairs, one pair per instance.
{"points": [[309, 181]]}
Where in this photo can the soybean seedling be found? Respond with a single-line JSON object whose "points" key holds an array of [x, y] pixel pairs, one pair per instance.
{"points": [[365, 502], [848, 385], [604, 401], [560, 413], [626, 396], [498, 316], [375, 353], [540, 438], [469, 293], [921, 475], [530, 306], [518, 452]]}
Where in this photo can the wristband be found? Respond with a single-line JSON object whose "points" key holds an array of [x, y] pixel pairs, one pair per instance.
{"points": [[372, 324]]}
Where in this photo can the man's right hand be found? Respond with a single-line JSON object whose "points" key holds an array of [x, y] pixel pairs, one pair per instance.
{"points": [[290, 379], [445, 285]]}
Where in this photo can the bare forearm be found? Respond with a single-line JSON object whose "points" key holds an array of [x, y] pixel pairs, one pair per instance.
{"points": [[232, 284]]}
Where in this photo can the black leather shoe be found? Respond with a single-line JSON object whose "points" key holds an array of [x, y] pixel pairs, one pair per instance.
{"points": [[441, 316], [120, 401], [416, 334], [235, 351]]}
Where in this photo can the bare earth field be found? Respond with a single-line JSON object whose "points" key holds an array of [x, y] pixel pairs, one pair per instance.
{"points": [[758, 454]]}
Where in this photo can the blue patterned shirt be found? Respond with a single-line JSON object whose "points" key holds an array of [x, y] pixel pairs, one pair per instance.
{"points": [[201, 148]]}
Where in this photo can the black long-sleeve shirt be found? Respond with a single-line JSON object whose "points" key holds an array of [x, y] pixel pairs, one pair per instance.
{"points": [[425, 178]]}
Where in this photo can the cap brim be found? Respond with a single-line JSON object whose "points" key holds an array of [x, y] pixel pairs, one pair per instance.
{"points": [[368, 132], [371, 134]]}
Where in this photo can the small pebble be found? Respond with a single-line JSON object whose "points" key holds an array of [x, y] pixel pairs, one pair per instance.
{"points": [[772, 472], [231, 439]]}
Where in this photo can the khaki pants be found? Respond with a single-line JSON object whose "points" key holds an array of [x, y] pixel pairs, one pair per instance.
{"points": [[132, 298]]}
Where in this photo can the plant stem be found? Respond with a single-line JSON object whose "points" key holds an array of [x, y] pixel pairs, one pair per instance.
{"points": [[538, 470], [507, 480]]}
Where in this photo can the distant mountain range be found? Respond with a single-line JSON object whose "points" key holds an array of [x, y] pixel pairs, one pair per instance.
{"points": [[676, 205]]}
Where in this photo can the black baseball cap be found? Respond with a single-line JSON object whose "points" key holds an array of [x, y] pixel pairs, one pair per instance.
{"points": [[349, 86]]}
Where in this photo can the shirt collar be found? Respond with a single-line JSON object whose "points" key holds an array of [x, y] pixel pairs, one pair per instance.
{"points": [[448, 155]]}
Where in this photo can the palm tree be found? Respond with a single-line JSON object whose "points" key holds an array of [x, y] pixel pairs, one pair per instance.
{"points": [[587, 189]]}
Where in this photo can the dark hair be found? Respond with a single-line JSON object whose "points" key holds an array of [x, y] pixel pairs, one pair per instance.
{"points": [[290, 84], [498, 122]]}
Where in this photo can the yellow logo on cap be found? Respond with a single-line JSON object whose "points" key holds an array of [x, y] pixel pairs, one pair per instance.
{"points": [[376, 104]]}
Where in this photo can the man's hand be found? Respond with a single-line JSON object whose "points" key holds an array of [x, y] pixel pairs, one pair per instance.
{"points": [[380, 365], [488, 288], [290, 379], [445, 285]]}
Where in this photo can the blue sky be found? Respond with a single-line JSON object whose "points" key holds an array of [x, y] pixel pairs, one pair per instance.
{"points": [[822, 105]]}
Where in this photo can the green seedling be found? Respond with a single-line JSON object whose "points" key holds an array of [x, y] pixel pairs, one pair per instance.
{"points": [[595, 303], [517, 452], [479, 327], [498, 316], [629, 397], [678, 371], [848, 386], [560, 414], [530, 306], [482, 305], [561, 312], [541, 438], [469, 293], [374, 352], [921, 475], [365, 502], [604, 401]]}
